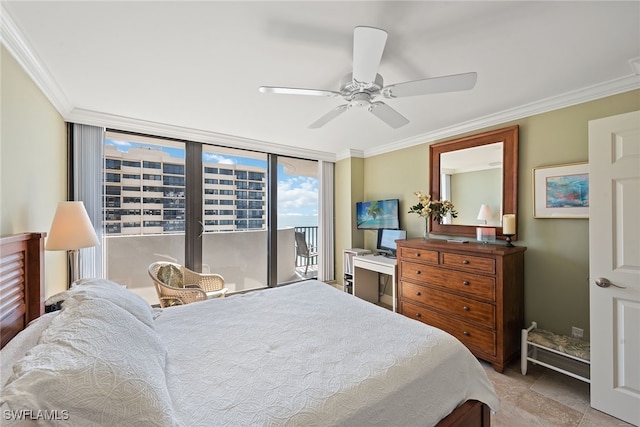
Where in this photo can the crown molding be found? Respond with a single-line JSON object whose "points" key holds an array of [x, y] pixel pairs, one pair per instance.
{"points": [[12, 38], [591, 93], [122, 123], [349, 153]]}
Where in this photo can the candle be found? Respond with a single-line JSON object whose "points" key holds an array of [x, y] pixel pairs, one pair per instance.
{"points": [[509, 224]]}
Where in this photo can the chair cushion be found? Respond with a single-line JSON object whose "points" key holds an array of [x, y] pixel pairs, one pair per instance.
{"points": [[171, 275]]}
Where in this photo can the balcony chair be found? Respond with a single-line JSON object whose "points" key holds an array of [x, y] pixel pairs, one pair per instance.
{"points": [[176, 285], [303, 250]]}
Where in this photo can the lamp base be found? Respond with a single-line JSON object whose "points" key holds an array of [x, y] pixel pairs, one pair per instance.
{"points": [[508, 239], [74, 266]]}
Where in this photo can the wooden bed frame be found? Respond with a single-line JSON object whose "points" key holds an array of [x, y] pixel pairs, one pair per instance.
{"points": [[21, 282], [22, 300]]}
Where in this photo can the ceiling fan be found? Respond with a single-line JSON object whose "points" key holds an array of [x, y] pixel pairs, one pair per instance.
{"points": [[361, 87]]}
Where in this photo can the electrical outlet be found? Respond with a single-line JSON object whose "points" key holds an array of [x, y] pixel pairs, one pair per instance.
{"points": [[577, 332]]}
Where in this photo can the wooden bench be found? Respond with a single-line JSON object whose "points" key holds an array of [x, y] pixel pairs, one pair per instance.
{"points": [[570, 356]]}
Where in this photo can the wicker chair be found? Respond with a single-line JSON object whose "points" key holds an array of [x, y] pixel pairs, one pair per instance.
{"points": [[196, 286]]}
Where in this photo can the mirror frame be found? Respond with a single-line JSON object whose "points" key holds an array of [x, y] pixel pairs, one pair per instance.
{"points": [[509, 137]]}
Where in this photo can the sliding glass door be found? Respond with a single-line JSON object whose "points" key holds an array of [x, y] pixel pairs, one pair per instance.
{"points": [[207, 207], [297, 207], [143, 208], [234, 224]]}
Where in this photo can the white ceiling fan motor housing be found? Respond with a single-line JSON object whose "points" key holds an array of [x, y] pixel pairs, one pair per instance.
{"points": [[359, 94]]}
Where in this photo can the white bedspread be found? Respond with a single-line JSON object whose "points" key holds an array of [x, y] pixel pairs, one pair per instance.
{"points": [[308, 355]]}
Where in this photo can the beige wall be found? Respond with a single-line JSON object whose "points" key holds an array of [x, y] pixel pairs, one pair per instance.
{"points": [[398, 174], [33, 163], [556, 261], [348, 189]]}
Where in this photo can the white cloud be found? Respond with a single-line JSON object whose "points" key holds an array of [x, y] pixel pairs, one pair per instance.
{"points": [[120, 145], [217, 158], [298, 195]]}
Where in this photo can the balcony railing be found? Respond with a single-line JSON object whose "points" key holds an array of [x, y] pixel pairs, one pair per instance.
{"points": [[311, 237]]}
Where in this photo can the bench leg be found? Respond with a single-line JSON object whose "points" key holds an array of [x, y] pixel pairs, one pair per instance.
{"points": [[524, 351], [524, 347]]}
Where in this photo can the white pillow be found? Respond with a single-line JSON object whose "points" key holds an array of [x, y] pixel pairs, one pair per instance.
{"points": [[21, 343], [99, 364], [111, 291]]}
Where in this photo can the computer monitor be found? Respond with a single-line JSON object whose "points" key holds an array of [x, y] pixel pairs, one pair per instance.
{"points": [[387, 241]]}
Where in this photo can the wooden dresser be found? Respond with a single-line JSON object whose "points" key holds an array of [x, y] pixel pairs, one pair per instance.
{"points": [[473, 291]]}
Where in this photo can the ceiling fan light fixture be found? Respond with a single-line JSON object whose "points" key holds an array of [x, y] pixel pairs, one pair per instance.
{"points": [[360, 100]]}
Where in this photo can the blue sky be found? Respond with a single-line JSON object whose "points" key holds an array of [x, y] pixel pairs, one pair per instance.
{"points": [[297, 195]]}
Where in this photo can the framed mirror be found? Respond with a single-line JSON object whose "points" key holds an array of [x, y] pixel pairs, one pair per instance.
{"points": [[479, 174]]}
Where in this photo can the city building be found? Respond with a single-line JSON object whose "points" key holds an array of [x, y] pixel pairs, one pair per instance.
{"points": [[144, 193]]}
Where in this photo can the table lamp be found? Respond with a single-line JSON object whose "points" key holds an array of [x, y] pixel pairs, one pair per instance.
{"points": [[71, 230], [484, 214]]}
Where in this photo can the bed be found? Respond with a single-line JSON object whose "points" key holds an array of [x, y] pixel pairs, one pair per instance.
{"points": [[303, 354]]}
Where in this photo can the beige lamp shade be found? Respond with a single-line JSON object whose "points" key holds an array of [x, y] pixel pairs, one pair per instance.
{"points": [[71, 228], [485, 213]]}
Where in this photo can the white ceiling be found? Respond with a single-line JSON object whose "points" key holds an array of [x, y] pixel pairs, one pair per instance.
{"points": [[192, 69]]}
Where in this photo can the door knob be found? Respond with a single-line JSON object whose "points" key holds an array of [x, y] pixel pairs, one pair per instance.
{"points": [[603, 282]]}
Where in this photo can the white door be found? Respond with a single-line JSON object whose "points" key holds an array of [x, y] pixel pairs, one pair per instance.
{"points": [[614, 265]]}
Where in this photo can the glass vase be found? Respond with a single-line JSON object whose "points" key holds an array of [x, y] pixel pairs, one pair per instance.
{"points": [[425, 234]]}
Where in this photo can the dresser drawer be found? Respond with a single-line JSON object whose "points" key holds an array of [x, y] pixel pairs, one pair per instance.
{"points": [[473, 337], [423, 255], [469, 262], [460, 281], [465, 308]]}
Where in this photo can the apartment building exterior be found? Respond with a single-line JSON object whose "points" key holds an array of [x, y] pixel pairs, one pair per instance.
{"points": [[144, 193]]}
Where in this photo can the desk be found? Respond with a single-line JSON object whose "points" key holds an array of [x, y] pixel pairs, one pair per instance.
{"points": [[365, 276]]}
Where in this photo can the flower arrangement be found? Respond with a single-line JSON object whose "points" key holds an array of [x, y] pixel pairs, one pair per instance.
{"points": [[436, 208]]}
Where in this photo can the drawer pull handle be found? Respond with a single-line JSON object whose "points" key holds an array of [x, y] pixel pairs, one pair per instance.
{"points": [[465, 262], [466, 333], [465, 308], [418, 294], [418, 315], [417, 254], [466, 283], [417, 271]]}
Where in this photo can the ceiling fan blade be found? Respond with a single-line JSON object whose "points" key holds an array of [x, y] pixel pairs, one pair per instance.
{"points": [[452, 83], [388, 115], [329, 116], [296, 91], [368, 45]]}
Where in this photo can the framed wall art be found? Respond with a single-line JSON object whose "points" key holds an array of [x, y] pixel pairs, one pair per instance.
{"points": [[561, 191]]}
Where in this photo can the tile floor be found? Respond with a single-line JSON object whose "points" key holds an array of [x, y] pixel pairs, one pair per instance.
{"points": [[543, 398]]}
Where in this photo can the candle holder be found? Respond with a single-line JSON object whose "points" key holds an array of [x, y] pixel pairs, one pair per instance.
{"points": [[508, 239]]}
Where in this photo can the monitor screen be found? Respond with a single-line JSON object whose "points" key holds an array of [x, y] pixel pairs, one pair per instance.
{"points": [[378, 214], [387, 239]]}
